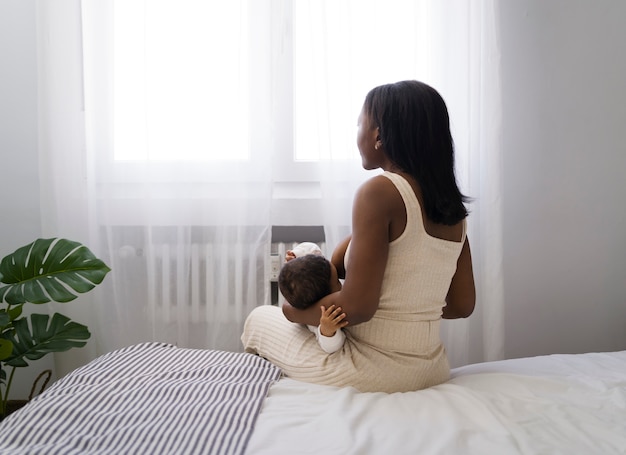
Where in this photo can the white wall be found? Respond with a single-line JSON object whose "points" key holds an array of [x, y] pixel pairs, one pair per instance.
{"points": [[564, 89], [19, 168], [19, 200], [564, 164]]}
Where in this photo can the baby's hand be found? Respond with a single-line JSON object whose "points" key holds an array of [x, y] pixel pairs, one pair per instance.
{"points": [[332, 319], [289, 255]]}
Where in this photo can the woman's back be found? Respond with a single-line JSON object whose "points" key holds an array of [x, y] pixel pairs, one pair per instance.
{"points": [[417, 278]]}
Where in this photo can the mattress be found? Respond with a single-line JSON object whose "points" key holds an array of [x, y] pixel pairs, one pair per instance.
{"points": [[556, 404], [155, 398]]}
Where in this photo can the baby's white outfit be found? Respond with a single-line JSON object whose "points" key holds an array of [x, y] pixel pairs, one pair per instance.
{"points": [[328, 344]]}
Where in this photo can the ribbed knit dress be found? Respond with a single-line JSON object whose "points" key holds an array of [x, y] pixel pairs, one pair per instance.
{"points": [[399, 349]]}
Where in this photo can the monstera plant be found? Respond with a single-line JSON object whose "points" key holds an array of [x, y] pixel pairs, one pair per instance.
{"points": [[47, 270]]}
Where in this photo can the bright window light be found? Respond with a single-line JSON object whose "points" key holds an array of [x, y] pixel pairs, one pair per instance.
{"points": [[180, 80], [341, 50], [183, 72]]}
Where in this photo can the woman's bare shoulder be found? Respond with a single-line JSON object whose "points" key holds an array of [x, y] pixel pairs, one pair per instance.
{"points": [[379, 201], [377, 186]]}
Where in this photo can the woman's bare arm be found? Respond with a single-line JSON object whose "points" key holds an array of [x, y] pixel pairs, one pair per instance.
{"points": [[372, 213], [339, 255], [461, 297]]}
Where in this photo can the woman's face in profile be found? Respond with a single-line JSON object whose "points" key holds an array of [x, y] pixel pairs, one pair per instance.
{"points": [[366, 140]]}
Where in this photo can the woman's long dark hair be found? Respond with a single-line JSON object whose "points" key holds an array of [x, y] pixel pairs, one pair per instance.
{"points": [[415, 133]]}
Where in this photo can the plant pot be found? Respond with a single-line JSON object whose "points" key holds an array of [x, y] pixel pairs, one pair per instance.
{"points": [[14, 405], [11, 407]]}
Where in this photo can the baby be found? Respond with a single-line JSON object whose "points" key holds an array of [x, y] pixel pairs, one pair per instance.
{"points": [[306, 277]]}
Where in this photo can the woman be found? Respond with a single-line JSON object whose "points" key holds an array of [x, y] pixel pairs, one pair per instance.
{"points": [[406, 265]]}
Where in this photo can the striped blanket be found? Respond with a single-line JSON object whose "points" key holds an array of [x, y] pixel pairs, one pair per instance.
{"points": [[150, 398]]}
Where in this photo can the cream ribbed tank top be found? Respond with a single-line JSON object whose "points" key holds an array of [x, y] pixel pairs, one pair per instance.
{"points": [[417, 278]]}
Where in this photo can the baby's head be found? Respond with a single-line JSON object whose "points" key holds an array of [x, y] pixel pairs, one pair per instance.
{"points": [[304, 248], [307, 279]]}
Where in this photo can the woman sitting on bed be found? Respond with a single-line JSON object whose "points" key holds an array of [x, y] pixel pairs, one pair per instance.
{"points": [[406, 265]]}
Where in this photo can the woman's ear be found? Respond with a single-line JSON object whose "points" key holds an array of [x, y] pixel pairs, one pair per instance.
{"points": [[379, 143]]}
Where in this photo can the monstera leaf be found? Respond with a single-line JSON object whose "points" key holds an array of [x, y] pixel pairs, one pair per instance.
{"points": [[6, 326], [6, 348], [49, 270], [43, 336]]}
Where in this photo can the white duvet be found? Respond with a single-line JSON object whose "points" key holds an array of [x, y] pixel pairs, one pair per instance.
{"points": [[558, 404]]}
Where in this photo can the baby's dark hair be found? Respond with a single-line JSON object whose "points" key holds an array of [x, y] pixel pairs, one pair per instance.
{"points": [[305, 280]]}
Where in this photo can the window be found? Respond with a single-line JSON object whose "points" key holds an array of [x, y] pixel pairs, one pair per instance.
{"points": [[180, 80], [214, 91], [341, 50]]}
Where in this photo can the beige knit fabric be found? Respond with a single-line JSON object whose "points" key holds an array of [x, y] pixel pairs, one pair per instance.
{"points": [[399, 349]]}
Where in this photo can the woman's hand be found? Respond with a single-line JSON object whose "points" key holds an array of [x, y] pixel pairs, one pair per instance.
{"points": [[461, 296]]}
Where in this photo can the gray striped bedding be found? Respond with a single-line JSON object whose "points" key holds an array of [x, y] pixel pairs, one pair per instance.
{"points": [[150, 398]]}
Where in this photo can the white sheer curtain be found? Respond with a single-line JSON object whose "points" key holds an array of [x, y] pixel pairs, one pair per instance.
{"points": [[171, 160], [467, 74], [187, 236], [453, 46]]}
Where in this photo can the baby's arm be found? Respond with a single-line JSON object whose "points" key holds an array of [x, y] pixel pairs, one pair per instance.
{"points": [[329, 333], [330, 344]]}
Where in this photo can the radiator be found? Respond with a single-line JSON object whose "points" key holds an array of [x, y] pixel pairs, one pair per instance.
{"points": [[203, 282]]}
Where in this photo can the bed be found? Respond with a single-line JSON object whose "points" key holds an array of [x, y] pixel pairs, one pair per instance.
{"points": [[155, 398]]}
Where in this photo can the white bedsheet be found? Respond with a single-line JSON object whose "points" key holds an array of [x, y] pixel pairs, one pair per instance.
{"points": [[558, 404]]}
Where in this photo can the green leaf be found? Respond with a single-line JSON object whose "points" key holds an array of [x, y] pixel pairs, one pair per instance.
{"points": [[5, 318], [6, 348], [43, 336], [15, 312], [49, 270]]}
